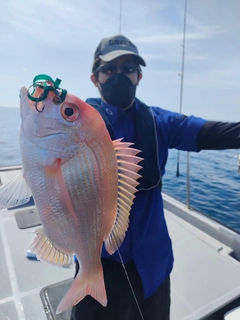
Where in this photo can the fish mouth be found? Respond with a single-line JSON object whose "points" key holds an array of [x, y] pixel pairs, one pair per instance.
{"points": [[50, 134], [24, 108], [26, 105], [23, 93]]}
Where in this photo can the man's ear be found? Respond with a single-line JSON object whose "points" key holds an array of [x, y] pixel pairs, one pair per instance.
{"points": [[139, 78], [94, 80]]}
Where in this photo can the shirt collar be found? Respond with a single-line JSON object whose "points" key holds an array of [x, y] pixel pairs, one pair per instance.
{"points": [[114, 111]]}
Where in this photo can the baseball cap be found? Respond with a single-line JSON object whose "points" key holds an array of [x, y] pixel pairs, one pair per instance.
{"points": [[116, 46]]}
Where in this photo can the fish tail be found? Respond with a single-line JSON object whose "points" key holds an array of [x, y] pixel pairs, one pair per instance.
{"points": [[92, 284]]}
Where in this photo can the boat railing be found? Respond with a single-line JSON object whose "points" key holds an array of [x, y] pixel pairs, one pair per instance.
{"points": [[12, 168], [4, 171], [215, 229]]}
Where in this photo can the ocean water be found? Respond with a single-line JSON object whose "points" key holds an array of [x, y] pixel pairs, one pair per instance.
{"points": [[9, 144], [214, 176]]}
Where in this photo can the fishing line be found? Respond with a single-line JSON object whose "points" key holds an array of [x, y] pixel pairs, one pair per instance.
{"points": [[130, 284]]}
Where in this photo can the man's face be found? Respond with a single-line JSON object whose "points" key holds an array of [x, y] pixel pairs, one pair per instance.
{"points": [[119, 62]]}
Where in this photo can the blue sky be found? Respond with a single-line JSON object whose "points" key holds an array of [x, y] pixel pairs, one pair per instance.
{"points": [[59, 38]]}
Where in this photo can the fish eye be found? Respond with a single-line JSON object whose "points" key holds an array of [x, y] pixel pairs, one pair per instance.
{"points": [[70, 112]]}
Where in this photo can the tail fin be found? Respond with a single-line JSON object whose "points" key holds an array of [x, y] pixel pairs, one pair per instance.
{"points": [[82, 285]]}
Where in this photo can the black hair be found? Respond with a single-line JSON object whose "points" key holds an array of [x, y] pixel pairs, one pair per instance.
{"points": [[95, 65]]}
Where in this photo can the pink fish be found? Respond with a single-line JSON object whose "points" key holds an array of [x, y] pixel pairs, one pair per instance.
{"points": [[83, 185]]}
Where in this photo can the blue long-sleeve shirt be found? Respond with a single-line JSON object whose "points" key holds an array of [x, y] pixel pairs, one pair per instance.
{"points": [[147, 241]]}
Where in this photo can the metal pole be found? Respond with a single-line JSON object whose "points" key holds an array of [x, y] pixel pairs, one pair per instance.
{"points": [[182, 74], [120, 18], [188, 180]]}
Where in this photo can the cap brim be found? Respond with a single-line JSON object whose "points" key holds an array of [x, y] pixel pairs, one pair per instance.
{"points": [[118, 53]]}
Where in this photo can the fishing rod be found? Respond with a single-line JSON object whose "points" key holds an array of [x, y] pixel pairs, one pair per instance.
{"points": [[182, 74], [120, 17]]}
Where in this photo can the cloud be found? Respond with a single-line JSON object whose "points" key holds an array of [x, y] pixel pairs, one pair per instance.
{"points": [[224, 78], [163, 58], [201, 33], [59, 38], [56, 22]]}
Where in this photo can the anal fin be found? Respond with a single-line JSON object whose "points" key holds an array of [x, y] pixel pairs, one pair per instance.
{"points": [[47, 252]]}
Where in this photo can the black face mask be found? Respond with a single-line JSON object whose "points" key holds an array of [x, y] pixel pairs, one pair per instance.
{"points": [[118, 90]]}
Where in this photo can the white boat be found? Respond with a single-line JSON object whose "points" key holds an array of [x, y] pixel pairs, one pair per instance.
{"points": [[205, 282]]}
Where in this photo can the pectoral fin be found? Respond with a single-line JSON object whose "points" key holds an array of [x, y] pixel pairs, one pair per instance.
{"points": [[47, 252], [15, 192], [127, 182]]}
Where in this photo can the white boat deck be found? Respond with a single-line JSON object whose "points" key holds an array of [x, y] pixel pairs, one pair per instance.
{"points": [[205, 276], [22, 279]]}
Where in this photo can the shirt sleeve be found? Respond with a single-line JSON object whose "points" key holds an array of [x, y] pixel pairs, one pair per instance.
{"points": [[177, 130], [215, 135]]}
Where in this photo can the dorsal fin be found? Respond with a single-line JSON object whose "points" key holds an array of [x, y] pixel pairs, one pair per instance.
{"points": [[127, 181]]}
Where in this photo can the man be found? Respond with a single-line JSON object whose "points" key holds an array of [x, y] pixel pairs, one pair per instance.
{"points": [[147, 250]]}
